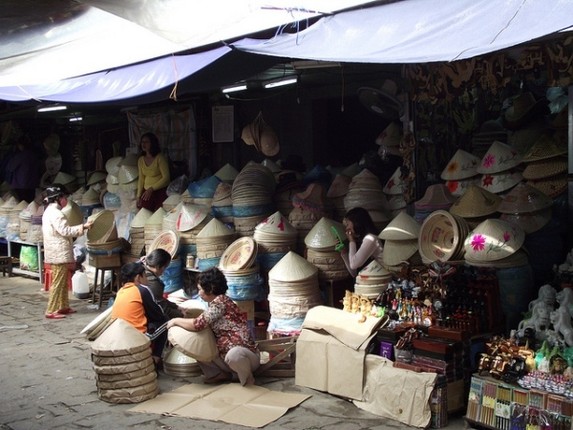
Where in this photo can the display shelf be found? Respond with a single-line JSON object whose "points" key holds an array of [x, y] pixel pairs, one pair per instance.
{"points": [[17, 270]]}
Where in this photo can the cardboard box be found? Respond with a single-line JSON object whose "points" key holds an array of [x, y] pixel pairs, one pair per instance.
{"points": [[331, 351], [101, 261]]}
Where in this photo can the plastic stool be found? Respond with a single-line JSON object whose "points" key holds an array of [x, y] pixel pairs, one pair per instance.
{"points": [[48, 277]]}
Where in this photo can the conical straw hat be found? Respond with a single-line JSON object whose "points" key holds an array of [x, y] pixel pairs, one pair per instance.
{"points": [[462, 165], [96, 177], [190, 216], [141, 218], [292, 267], [278, 224], [500, 157], [398, 251], [544, 148], [476, 202], [64, 178], [157, 218], [536, 170], [73, 213], [129, 160], [459, 187], [112, 179], [530, 222], [395, 185], [326, 233], [216, 228], [500, 182], [22, 204], [390, 136], [553, 186], [339, 186], [127, 174], [103, 228], [91, 197], [436, 195], [492, 240], [524, 198], [271, 165], [120, 338], [205, 187], [171, 201], [402, 227], [374, 269], [227, 173], [112, 165]]}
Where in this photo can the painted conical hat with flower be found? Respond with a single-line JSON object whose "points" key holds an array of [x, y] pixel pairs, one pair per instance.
{"points": [[462, 165], [499, 158], [493, 239], [395, 185], [276, 224]]}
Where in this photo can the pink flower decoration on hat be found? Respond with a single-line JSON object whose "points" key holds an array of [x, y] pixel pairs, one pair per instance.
{"points": [[487, 180], [489, 160], [452, 186], [506, 236], [478, 242]]}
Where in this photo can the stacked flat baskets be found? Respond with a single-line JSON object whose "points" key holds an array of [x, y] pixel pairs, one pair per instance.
{"points": [[238, 263], [137, 232]]}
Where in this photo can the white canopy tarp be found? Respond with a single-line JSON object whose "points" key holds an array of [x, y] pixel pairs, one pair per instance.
{"points": [[421, 31]]}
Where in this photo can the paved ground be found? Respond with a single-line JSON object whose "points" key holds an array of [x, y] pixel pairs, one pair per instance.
{"points": [[47, 381]]}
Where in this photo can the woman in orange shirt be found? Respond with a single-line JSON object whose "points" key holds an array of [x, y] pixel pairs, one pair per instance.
{"points": [[153, 174]]}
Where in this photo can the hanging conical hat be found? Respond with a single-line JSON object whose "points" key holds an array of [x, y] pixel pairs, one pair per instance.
{"points": [[64, 178], [73, 213], [95, 177], [227, 173], [269, 141], [325, 234], [462, 165], [476, 202], [518, 259], [276, 223], [492, 240], [536, 170], [339, 186], [544, 148], [530, 222], [190, 216], [402, 227], [215, 228], [500, 157], [120, 338], [156, 218], [292, 267], [500, 182], [398, 251], [112, 165], [141, 218], [395, 185], [524, 198]]}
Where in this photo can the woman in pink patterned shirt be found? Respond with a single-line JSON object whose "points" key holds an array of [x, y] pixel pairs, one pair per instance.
{"points": [[238, 355]]}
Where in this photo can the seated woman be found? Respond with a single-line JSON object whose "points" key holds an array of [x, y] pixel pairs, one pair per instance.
{"points": [[238, 355], [134, 304], [154, 175], [363, 241], [155, 264]]}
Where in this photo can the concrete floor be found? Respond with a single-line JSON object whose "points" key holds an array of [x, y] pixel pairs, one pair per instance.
{"points": [[47, 380]]}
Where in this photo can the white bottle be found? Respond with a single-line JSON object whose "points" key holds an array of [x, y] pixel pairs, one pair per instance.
{"points": [[80, 285]]}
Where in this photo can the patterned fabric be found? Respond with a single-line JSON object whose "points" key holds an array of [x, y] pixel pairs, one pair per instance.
{"points": [[59, 299], [228, 323]]}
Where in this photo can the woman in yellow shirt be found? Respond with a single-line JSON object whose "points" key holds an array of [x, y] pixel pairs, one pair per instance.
{"points": [[154, 174]]}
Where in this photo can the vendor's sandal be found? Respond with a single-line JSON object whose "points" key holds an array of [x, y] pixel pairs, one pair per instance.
{"points": [[55, 316], [66, 311]]}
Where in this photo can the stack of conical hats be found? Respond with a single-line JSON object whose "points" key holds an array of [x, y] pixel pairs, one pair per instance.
{"points": [[238, 263], [336, 193], [400, 241], [476, 205], [26, 219], [526, 206], [5, 211], [365, 191], [293, 290], [202, 191], [321, 242], [112, 178], [498, 168], [125, 372], [137, 232], [308, 209], [227, 173], [180, 365], [461, 172], [153, 226], [190, 219], [395, 189], [34, 233], [171, 202], [372, 280], [222, 204], [13, 225], [546, 167], [275, 236], [212, 241]]}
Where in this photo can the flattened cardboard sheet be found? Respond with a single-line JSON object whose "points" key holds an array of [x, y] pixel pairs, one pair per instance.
{"points": [[250, 406]]}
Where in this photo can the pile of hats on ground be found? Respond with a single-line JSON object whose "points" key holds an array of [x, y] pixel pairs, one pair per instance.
{"points": [[365, 191], [461, 172], [125, 371], [211, 243], [546, 167], [275, 236], [436, 197], [400, 242], [321, 249], [238, 264], [293, 290], [372, 280], [252, 195], [498, 168], [137, 232]]}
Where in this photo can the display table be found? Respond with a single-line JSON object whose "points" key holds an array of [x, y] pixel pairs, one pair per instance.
{"points": [[14, 246]]}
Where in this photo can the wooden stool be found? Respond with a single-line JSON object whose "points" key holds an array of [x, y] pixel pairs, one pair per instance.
{"points": [[281, 357], [6, 265], [100, 271]]}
